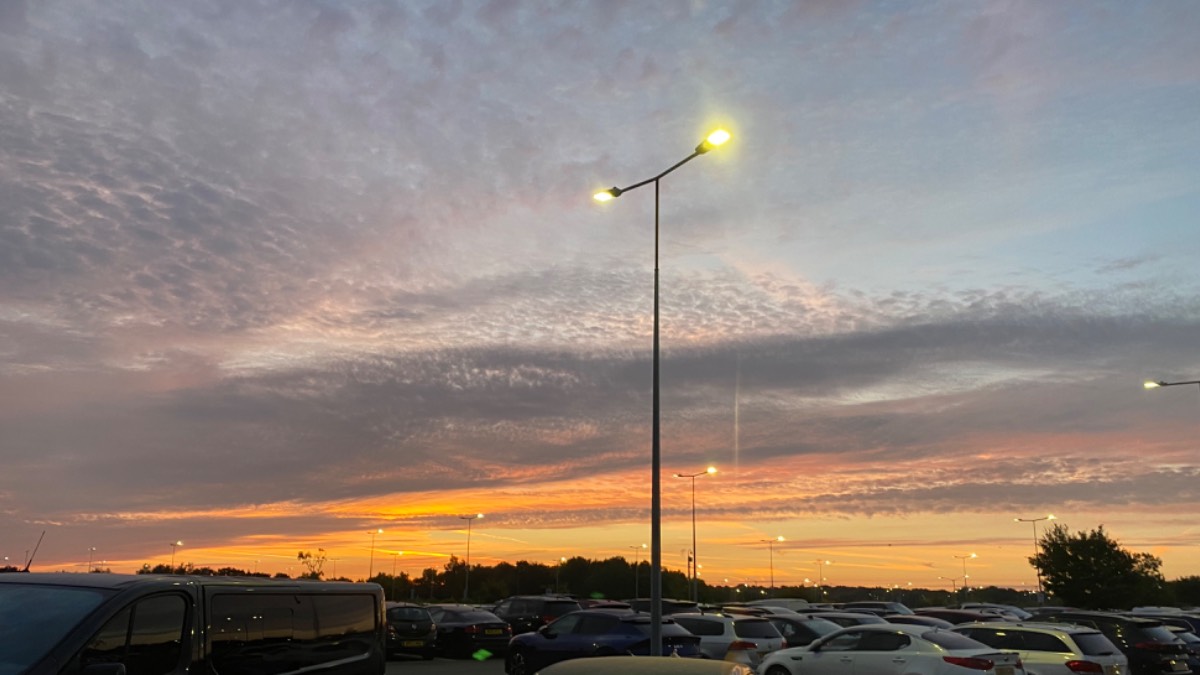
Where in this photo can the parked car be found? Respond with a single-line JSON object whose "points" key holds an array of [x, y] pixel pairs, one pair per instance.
{"points": [[739, 638], [845, 619], [957, 616], [892, 649], [527, 613], [149, 623], [644, 665], [410, 630], [1147, 643], [802, 629], [887, 607], [1175, 618], [594, 632], [788, 603], [918, 620], [1052, 649], [669, 606], [998, 608], [1191, 642], [463, 630]]}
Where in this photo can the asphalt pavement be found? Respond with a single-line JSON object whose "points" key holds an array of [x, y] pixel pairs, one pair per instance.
{"points": [[404, 665]]}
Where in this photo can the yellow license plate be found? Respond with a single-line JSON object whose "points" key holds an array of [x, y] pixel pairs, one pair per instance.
{"points": [[1004, 670], [1112, 669], [412, 643], [493, 631]]}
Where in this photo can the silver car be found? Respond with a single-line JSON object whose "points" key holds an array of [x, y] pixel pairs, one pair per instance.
{"points": [[1052, 648], [733, 637]]}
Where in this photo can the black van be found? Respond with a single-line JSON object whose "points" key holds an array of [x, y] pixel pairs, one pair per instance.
{"points": [[114, 624]]}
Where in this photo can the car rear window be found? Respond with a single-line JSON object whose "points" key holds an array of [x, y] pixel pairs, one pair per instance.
{"points": [[1094, 644], [407, 614], [949, 640], [755, 628], [1045, 642], [558, 608], [700, 626], [1156, 632]]}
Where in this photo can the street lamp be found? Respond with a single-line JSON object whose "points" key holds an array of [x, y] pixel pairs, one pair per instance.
{"points": [[953, 583], [714, 139], [695, 556], [636, 551], [964, 559], [91, 550], [1036, 568], [174, 545], [467, 576], [371, 565], [560, 561], [821, 577], [771, 547], [1148, 384]]}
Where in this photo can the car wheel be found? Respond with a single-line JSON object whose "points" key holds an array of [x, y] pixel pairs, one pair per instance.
{"points": [[777, 670], [516, 664]]}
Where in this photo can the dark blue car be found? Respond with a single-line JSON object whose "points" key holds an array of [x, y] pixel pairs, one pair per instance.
{"points": [[594, 632]]}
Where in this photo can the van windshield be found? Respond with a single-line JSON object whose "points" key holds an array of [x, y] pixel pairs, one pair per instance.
{"points": [[35, 618]]}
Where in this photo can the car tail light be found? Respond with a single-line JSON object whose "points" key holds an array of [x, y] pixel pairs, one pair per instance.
{"points": [[742, 645], [969, 662], [471, 630], [1162, 647], [1084, 667]]}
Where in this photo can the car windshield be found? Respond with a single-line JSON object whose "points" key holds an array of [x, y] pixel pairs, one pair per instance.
{"points": [[755, 628], [476, 617], [556, 608], [35, 618], [407, 614]]}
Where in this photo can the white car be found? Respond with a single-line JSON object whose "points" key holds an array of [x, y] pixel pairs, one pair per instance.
{"points": [[892, 649], [1052, 648], [733, 637]]}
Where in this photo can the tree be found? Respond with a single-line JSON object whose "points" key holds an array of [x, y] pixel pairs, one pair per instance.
{"points": [[313, 563], [1091, 571]]}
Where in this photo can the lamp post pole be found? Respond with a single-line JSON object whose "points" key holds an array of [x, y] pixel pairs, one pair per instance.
{"points": [[91, 551], [771, 549], [821, 578], [467, 576], [636, 551], [1036, 568], [695, 556], [371, 564], [714, 139], [174, 545], [953, 584], [964, 559]]}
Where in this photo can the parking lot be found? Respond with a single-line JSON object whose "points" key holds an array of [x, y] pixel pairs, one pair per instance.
{"points": [[403, 665]]}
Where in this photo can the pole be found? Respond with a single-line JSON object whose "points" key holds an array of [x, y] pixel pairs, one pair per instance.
{"points": [[467, 576]]}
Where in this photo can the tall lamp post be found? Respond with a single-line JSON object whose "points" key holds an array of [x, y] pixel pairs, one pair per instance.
{"points": [[771, 548], [636, 551], [695, 556], [1036, 567], [821, 578], [714, 139], [1155, 385], [467, 576], [371, 564], [953, 584], [964, 559], [174, 545], [91, 551]]}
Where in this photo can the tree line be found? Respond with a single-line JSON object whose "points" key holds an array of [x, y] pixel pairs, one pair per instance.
{"points": [[1088, 570]]}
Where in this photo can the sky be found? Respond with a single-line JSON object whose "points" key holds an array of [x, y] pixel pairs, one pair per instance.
{"points": [[275, 276]]}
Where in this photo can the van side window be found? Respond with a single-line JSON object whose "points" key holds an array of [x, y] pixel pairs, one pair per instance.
{"points": [[147, 637], [272, 633]]}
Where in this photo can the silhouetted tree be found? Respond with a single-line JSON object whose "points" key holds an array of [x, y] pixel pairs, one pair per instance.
{"points": [[312, 563], [1090, 570]]}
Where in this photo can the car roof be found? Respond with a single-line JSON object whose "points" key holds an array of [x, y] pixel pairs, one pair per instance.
{"points": [[645, 665], [1048, 626], [124, 581]]}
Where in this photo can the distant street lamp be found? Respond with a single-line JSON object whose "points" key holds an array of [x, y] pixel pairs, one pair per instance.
{"points": [[174, 545], [714, 139], [821, 577], [771, 548], [964, 559], [953, 581], [636, 551], [695, 556], [1155, 385], [561, 560], [371, 564], [394, 560], [467, 576], [91, 550], [1036, 567]]}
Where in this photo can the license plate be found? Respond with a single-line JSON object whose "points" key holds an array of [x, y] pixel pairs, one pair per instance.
{"points": [[1112, 669], [1004, 670], [1178, 666], [412, 643], [493, 631]]}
